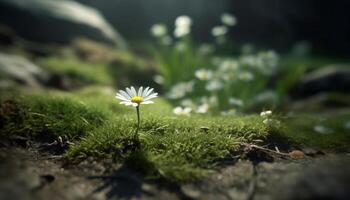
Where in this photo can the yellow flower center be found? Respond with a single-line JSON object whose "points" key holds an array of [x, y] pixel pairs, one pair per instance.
{"points": [[137, 99]]}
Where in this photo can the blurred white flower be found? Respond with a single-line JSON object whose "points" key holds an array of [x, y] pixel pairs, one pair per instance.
{"points": [[204, 74], [228, 112], [158, 30], [187, 103], [158, 79], [180, 90], [214, 85], [246, 76], [322, 129], [266, 96], [203, 108], [268, 121], [228, 19], [266, 113], [182, 26], [182, 111], [235, 102], [219, 31], [266, 61], [228, 65], [134, 98], [183, 20]]}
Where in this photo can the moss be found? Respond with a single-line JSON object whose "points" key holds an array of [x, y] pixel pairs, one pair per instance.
{"points": [[173, 148], [178, 149], [300, 129], [46, 117]]}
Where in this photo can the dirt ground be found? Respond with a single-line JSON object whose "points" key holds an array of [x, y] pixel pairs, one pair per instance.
{"points": [[28, 174]]}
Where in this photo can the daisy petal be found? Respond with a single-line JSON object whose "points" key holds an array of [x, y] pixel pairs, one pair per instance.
{"points": [[139, 93], [133, 91], [154, 95], [144, 92], [129, 92], [149, 92], [134, 104], [147, 102], [123, 93], [121, 98]]}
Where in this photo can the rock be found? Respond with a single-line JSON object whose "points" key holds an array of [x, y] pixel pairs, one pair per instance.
{"points": [[333, 78], [53, 21], [93, 52], [325, 179], [21, 70], [321, 101], [296, 154]]}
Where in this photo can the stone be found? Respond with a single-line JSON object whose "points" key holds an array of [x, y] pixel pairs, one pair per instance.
{"points": [[21, 70], [332, 78], [52, 21]]}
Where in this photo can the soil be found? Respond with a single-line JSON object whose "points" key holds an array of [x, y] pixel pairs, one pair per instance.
{"points": [[30, 174]]}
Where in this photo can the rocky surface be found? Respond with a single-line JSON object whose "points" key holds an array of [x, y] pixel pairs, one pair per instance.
{"points": [[44, 20], [21, 70], [29, 175], [333, 78]]}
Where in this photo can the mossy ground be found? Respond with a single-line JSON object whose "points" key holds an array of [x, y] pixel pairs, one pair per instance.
{"points": [[170, 147]]}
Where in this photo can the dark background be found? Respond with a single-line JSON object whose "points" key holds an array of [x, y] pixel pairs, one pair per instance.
{"points": [[274, 24]]}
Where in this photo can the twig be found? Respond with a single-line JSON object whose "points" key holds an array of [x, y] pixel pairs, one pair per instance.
{"points": [[266, 149]]}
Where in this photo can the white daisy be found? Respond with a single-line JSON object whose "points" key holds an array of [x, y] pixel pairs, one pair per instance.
{"points": [[266, 113], [158, 30], [135, 98], [219, 31], [204, 74], [228, 19], [182, 111]]}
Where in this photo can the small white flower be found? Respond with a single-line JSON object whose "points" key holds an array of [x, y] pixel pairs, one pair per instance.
{"points": [[228, 112], [187, 103], [268, 121], [158, 79], [204, 74], [322, 129], [158, 30], [183, 111], [266, 113], [228, 65], [266, 96], [235, 102], [219, 31], [228, 19], [182, 26], [135, 98], [180, 90], [246, 76], [214, 85], [204, 108], [183, 21]]}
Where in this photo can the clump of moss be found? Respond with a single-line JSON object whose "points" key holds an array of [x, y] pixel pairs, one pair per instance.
{"points": [[301, 130], [45, 118], [178, 149]]}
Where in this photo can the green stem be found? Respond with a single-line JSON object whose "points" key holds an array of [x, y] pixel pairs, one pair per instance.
{"points": [[138, 122]]}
